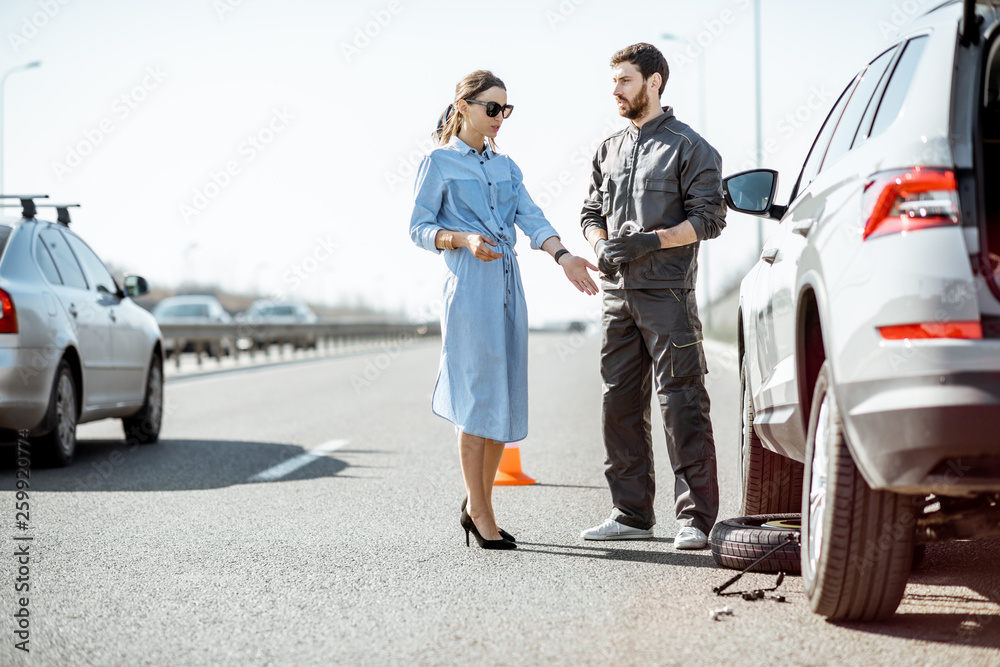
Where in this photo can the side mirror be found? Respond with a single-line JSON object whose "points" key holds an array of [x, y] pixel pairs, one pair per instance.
{"points": [[135, 286], [753, 192]]}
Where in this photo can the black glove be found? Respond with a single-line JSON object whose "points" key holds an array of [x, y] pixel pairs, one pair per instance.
{"points": [[604, 263], [627, 248]]}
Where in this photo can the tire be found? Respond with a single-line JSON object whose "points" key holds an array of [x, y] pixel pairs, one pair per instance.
{"points": [[769, 483], [857, 543], [919, 552], [736, 543], [144, 426], [58, 446]]}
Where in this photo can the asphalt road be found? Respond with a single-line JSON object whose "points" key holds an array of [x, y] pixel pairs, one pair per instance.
{"points": [[199, 551]]}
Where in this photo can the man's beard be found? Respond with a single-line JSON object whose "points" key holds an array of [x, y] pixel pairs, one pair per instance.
{"points": [[635, 107]]}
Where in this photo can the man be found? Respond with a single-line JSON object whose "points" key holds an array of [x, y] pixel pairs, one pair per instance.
{"points": [[655, 194]]}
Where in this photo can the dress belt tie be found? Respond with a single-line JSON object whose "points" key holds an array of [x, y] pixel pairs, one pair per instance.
{"points": [[509, 254]]}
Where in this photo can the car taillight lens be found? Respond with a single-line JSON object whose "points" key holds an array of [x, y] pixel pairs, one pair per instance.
{"points": [[8, 316], [933, 330], [911, 199]]}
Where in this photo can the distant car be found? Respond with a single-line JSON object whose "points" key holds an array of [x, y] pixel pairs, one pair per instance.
{"points": [[265, 311], [194, 309], [74, 347], [869, 330]]}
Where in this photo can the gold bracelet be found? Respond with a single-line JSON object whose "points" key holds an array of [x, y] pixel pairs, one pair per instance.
{"points": [[447, 240]]}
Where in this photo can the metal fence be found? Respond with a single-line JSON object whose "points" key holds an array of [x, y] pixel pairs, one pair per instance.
{"points": [[253, 339]]}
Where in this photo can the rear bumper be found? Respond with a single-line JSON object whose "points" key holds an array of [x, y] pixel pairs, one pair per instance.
{"points": [[25, 384], [936, 433]]}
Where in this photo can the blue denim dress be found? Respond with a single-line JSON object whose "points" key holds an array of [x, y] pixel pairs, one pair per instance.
{"points": [[482, 384]]}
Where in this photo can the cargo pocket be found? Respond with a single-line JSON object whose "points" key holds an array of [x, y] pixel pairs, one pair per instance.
{"points": [[674, 264], [687, 354], [662, 185]]}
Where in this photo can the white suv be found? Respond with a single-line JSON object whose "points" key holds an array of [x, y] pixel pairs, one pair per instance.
{"points": [[869, 330]]}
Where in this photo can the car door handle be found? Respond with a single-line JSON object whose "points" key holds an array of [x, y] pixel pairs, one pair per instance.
{"points": [[769, 254], [111, 314], [803, 227], [72, 309]]}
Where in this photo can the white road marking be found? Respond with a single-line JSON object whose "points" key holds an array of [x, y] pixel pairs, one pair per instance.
{"points": [[296, 462]]}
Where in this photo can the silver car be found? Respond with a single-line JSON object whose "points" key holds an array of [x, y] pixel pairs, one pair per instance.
{"points": [[267, 311], [194, 309], [869, 331], [74, 347]]}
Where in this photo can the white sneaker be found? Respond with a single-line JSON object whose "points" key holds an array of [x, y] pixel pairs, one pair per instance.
{"points": [[612, 530], [690, 537]]}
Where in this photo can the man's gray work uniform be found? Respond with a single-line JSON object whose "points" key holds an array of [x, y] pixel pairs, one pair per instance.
{"points": [[656, 176]]}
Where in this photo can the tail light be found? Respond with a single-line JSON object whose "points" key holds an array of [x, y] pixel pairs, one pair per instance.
{"points": [[8, 315], [908, 200], [898, 202], [933, 330]]}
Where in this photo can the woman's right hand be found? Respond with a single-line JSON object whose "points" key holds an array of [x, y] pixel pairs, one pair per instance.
{"points": [[477, 245]]}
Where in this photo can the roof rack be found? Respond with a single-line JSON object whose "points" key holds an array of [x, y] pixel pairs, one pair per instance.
{"points": [[28, 208]]}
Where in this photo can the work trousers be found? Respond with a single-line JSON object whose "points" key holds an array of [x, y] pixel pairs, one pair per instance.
{"points": [[656, 335]]}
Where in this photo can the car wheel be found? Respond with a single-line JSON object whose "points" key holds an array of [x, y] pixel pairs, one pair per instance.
{"points": [[769, 483], [738, 542], [59, 445], [857, 543], [144, 426]]}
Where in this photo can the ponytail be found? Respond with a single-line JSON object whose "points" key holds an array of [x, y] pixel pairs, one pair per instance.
{"points": [[449, 125]]}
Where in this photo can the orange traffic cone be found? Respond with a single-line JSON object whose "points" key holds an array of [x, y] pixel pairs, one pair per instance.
{"points": [[509, 473]]}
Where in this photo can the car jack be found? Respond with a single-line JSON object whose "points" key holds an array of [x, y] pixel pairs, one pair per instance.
{"points": [[758, 593]]}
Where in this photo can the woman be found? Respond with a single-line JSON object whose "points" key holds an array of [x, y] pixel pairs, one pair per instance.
{"points": [[468, 201]]}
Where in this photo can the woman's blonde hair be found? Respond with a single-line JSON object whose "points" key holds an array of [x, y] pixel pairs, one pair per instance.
{"points": [[452, 121]]}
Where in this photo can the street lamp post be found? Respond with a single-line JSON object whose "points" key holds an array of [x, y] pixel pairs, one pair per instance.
{"points": [[702, 129], [760, 133], [3, 82]]}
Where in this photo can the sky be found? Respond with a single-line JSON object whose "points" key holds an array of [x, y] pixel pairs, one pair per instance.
{"points": [[271, 146]]}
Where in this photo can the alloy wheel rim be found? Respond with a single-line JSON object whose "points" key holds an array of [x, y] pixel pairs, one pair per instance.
{"points": [[65, 414], [817, 483]]}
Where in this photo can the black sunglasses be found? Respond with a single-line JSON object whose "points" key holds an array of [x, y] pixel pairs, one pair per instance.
{"points": [[492, 108]]}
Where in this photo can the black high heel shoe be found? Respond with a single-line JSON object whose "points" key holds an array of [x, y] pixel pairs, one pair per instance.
{"points": [[503, 533], [470, 526]]}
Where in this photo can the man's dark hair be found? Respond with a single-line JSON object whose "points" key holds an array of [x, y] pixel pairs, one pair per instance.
{"points": [[647, 58]]}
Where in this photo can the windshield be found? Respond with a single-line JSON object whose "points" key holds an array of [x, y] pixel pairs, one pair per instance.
{"points": [[184, 310], [277, 311]]}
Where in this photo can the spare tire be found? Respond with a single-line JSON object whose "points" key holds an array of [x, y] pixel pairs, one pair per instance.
{"points": [[738, 542]]}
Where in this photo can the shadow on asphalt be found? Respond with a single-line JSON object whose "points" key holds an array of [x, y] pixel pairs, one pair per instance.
{"points": [[970, 617], [176, 465], [690, 559]]}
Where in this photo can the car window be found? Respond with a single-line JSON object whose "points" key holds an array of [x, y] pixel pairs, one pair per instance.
{"points": [[818, 150], [892, 101], [100, 278], [45, 263], [5, 231], [847, 128], [69, 268]]}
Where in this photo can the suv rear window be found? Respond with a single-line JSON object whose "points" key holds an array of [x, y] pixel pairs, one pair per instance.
{"points": [[899, 85], [847, 128], [4, 235]]}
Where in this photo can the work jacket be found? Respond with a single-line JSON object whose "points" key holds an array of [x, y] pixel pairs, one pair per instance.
{"points": [[657, 176]]}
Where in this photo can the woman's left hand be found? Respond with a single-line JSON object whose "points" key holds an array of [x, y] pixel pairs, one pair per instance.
{"points": [[575, 269]]}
